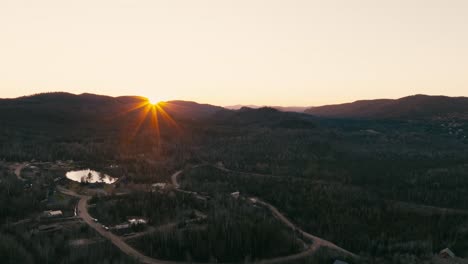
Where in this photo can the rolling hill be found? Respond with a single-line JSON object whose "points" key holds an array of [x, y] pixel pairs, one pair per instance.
{"points": [[410, 107], [67, 108]]}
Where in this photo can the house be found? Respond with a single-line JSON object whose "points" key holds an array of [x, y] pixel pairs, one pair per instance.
{"points": [[51, 213], [235, 194], [446, 253], [137, 221], [340, 262], [158, 186]]}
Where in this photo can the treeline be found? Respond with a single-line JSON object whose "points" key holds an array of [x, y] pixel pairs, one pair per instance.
{"points": [[353, 217], [233, 232], [16, 203], [23, 245], [157, 207]]}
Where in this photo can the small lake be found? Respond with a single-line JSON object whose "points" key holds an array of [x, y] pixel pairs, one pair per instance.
{"points": [[90, 176]]}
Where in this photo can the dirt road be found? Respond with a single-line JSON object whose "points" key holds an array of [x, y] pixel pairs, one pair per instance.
{"points": [[317, 242], [18, 168], [116, 240], [120, 243]]}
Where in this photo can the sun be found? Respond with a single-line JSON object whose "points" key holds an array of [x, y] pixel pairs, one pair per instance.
{"points": [[153, 112], [153, 101]]}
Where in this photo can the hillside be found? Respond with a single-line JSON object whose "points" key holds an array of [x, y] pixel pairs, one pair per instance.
{"points": [[299, 109], [264, 116], [68, 108], [411, 107]]}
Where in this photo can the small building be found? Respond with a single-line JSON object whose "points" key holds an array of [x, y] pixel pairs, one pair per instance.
{"points": [[446, 253], [137, 221], [158, 186], [235, 194], [51, 214], [340, 262]]}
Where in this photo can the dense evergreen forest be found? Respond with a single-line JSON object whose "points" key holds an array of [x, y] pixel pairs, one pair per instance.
{"points": [[390, 190]]}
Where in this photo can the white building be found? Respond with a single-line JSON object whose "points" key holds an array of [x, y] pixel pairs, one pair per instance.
{"points": [[51, 213], [137, 221]]}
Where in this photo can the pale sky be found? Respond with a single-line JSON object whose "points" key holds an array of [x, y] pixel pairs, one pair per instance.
{"points": [[264, 52]]}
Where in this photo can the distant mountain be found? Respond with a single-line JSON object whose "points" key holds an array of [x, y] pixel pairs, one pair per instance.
{"points": [[191, 110], [411, 107], [59, 107], [299, 109], [264, 116], [239, 106]]}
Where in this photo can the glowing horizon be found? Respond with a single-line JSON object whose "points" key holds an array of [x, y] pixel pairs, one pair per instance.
{"points": [[155, 112], [260, 52]]}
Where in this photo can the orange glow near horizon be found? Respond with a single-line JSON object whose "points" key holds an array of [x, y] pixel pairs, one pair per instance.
{"points": [[154, 101], [259, 52], [155, 112]]}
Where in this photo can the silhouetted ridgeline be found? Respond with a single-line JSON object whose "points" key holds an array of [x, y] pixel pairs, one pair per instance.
{"points": [[411, 107]]}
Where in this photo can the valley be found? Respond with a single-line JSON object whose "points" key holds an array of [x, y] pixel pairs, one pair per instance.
{"points": [[231, 186]]}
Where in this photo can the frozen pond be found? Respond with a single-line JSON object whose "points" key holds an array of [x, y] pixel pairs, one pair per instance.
{"points": [[90, 176]]}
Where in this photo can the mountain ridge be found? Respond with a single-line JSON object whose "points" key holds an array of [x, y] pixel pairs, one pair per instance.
{"points": [[417, 106]]}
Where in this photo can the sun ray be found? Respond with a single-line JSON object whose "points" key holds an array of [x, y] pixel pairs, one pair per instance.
{"points": [[166, 116], [140, 120], [131, 108], [152, 115], [156, 125]]}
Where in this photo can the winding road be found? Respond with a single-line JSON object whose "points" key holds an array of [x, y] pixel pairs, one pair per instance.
{"points": [[18, 168], [120, 243], [116, 240], [317, 242]]}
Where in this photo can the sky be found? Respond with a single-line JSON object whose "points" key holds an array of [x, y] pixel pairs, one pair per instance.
{"points": [[264, 52]]}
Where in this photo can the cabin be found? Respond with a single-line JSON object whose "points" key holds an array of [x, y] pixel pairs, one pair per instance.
{"points": [[446, 253], [134, 221], [51, 214]]}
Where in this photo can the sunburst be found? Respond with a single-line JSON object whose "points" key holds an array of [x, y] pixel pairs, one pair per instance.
{"points": [[153, 110], [154, 101]]}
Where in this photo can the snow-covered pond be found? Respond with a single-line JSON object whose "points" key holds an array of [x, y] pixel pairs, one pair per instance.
{"points": [[90, 176]]}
